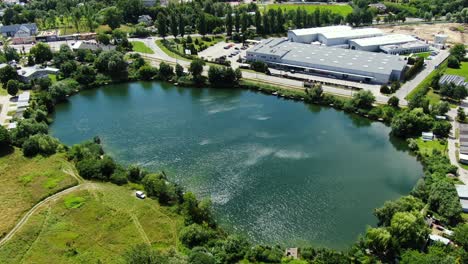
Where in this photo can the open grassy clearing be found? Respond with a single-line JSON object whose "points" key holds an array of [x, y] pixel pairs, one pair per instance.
{"points": [[424, 55], [340, 9], [426, 147], [462, 71], [24, 182], [140, 46], [168, 52], [93, 225]]}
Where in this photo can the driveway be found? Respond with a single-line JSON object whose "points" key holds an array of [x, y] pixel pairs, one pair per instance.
{"points": [[5, 103]]}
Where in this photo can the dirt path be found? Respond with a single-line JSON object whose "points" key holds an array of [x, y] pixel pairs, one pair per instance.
{"points": [[44, 222], [140, 229], [26, 217]]}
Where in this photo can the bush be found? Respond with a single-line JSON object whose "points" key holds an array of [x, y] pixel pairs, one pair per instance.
{"points": [[12, 87], [119, 177], [40, 144], [385, 89], [5, 139], [147, 72], [393, 101], [413, 144], [89, 168], [453, 62], [195, 235], [259, 66]]}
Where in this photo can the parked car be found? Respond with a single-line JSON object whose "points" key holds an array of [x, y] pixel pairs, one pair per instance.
{"points": [[140, 194], [236, 48], [227, 47]]}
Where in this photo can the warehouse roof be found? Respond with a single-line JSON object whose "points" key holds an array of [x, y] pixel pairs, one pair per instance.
{"points": [[316, 30], [384, 40], [330, 57], [462, 191], [352, 33]]}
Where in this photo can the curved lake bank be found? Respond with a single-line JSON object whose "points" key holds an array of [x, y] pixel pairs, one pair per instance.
{"points": [[280, 172]]}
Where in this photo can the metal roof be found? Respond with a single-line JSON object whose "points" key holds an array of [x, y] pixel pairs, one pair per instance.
{"points": [[336, 58], [455, 79], [384, 40], [462, 191], [316, 30], [16, 27], [353, 33]]}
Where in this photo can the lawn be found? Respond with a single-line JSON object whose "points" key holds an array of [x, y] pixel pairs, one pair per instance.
{"points": [[424, 55], [199, 43], [140, 46], [168, 52], [24, 182], [462, 71], [426, 147], [93, 226], [340, 9]]}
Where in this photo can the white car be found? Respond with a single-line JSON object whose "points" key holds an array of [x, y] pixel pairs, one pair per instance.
{"points": [[140, 194]]}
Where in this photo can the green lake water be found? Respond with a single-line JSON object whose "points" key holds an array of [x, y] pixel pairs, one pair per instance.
{"points": [[277, 171]]}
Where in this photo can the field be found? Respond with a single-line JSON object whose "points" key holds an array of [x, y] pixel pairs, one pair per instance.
{"points": [[427, 31], [340, 9], [96, 225], [462, 71], [24, 182], [140, 46], [426, 147]]}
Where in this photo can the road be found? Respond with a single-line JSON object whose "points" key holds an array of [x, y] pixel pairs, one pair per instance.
{"points": [[413, 83], [452, 141]]}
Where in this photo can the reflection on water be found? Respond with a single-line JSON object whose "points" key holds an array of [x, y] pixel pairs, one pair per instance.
{"points": [[277, 171]]}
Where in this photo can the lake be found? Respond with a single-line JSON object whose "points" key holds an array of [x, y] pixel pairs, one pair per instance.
{"points": [[277, 171]]}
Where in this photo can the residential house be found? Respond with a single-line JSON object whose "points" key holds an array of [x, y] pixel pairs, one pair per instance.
{"points": [[89, 45], [27, 74], [145, 19], [20, 33]]}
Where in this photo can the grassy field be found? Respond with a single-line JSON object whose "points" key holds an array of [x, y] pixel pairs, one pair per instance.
{"points": [[424, 55], [24, 182], [462, 71], [426, 147], [168, 52], [93, 226], [340, 9], [140, 46]]}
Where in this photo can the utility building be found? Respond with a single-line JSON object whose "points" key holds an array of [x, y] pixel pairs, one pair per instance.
{"points": [[328, 61], [387, 43], [309, 35]]}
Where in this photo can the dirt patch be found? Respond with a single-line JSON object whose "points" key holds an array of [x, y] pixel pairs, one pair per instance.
{"points": [[457, 33]]}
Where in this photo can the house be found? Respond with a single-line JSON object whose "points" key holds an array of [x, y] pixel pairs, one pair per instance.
{"points": [[145, 19], [292, 253], [427, 136], [27, 74], [462, 191], [88, 45], [440, 239], [20, 33], [455, 79], [149, 3]]}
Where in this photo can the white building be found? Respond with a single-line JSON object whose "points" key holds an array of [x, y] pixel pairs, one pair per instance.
{"points": [[309, 35], [375, 43], [333, 38], [328, 61], [89, 45], [27, 74]]}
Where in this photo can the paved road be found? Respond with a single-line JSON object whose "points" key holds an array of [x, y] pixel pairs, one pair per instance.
{"points": [[411, 84]]}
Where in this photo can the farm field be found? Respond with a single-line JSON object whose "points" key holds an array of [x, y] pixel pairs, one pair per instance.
{"points": [[96, 225], [340, 9], [25, 181]]}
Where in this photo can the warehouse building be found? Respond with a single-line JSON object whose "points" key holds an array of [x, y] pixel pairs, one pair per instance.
{"points": [[328, 61], [333, 38], [382, 43], [309, 35]]}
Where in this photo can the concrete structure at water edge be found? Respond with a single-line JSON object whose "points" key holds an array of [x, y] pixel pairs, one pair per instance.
{"points": [[328, 61]]}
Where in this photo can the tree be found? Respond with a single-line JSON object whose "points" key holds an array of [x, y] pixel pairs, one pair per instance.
{"points": [[103, 38], [441, 108], [119, 177], [5, 139], [443, 199], [409, 229], [166, 71], [385, 89], [379, 242], [202, 24], [7, 73], [85, 75], [40, 144], [195, 235], [393, 101], [13, 87], [237, 20], [90, 14], [228, 20], [41, 53], [162, 24], [410, 123], [453, 62], [89, 168], [181, 25], [174, 25], [244, 21], [363, 99], [111, 62], [461, 115], [258, 22], [76, 18], [107, 166], [458, 51], [460, 235], [315, 93], [385, 213], [147, 72], [442, 129], [134, 173], [112, 16], [196, 69], [179, 70]]}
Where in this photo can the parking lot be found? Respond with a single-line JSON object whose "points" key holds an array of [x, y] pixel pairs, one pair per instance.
{"points": [[230, 51]]}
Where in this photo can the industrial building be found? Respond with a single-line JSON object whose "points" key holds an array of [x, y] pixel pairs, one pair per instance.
{"points": [[402, 42], [328, 61], [309, 35], [332, 35]]}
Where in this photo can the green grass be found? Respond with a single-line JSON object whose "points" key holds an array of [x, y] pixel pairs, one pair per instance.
{"points": [[24, 182], [424, 55], [339, 9], [426, 147], [96, 225], [462, 71], [140, 46], [53, 78], [168, 52]]}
